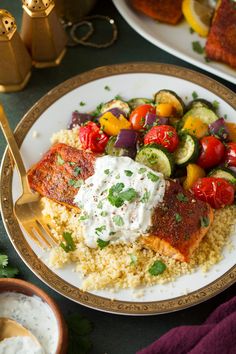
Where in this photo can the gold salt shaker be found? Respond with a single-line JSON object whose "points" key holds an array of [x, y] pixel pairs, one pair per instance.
{"points": [[42, 33], [15, 61]]}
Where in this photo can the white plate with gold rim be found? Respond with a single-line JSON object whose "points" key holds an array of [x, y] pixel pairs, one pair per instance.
{"points": [[52, 113], [176, 40]]}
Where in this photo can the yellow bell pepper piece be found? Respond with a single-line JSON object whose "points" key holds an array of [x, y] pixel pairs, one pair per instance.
{"points": [[112, 125], [164, 109], [232, 131], [195, 127], [193, 173]]}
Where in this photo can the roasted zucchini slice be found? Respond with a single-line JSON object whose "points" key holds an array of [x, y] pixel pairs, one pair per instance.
{"points": [[168, 96], [122, 105], [200, 102], [135, 102], [224, 172], [156, 157], [187, 150], [206, 115]]}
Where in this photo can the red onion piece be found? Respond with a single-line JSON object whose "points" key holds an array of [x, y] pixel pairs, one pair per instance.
{"points": [[127, 138], [163, 121], [220, 129], [150, 119], [78, 119]]}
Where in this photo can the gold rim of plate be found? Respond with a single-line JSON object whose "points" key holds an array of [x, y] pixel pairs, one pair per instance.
{"points": [[25, 251]]}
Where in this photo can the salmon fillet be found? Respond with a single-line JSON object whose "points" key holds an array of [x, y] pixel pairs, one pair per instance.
{"points": [[58, 174], [221, 41], [166, 11], [176, 223]]}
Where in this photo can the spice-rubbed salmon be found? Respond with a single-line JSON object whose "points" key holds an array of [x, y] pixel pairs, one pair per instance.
{"points": [[179, 222], [221, 41], [58, 174], [166, 11]]}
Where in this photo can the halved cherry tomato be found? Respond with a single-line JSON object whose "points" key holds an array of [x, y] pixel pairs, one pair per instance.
{"points": [[212, 152], [137, 116], [164, 135], [216, 191], [92, 137], [230, 154]]}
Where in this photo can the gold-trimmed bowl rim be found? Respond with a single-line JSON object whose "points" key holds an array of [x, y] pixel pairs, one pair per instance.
{"points": [[27, 254]]}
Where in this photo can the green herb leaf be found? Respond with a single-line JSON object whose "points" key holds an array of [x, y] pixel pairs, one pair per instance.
{"points": [[118, 97], [128, 195], [100, 205], [60, 160], [8, 272], [142, 170], [69, 244], [75, 183], [79, 329], [134, 259], [191, 30], [107, 171], [152, 177], [204, 221], [114, 195], [82, 103], [71, 163], [157, 268], [107, 88], [3, 260], [104, 213], [77, 171], [117, 219], [178, 217], [145, 197], [194, 95], [99, 230], [197, 47], [97, 111], [83, 217], [128, 173], [215, 104], [102, 244], [181, 197]]}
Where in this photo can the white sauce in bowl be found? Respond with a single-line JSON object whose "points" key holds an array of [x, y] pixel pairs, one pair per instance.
{"points": [[34, 314], [104, 216], [20, 345]]}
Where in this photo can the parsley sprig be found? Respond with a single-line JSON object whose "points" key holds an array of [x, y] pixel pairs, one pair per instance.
{"points": [[117, 195], [6, 271], [68, 245]]}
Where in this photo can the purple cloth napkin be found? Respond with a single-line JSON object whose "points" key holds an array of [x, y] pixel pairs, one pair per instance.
{"points": [[217, 335]]}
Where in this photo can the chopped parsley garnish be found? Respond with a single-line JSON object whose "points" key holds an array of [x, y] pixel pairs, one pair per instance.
{"points": [[97, 111], [77, 171], [71, 163], [133, 258], [118, 220], [102, 244], [99, 205], [104, 213], [142, 170], [118, 97], [107, 171], [204, 221], [194, 95], [145, 197], [111, 233], [6, 271], [170, 134], [117, 176], [75, 183], [107, 88], [117, 196], [215, 104], [82, 103], [178, 217], [157, 268], [83, 217], [197, 47], [152, 177], [100, 230], [191, 30], [69, 244], [181, 197], [60, 160], [128, 173]]}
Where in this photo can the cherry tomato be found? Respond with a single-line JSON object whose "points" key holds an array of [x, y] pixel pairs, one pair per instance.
{"points": [[92, 138], [212, 152], [216, 191], [137, 116], [164, 135], [230, 154]]}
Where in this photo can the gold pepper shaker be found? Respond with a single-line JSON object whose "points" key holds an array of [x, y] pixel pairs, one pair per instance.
{"points": [[15, 61], [42, 33]]}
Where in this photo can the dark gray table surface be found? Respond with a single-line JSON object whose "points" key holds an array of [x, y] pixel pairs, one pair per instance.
{"points": [[112, 334]]}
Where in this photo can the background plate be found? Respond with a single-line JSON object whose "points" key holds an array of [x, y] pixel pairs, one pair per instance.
{"points": [[176, 40], [51, 114]]}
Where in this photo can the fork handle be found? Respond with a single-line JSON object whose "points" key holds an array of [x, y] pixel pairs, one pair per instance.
{"points": [[12, 144]]}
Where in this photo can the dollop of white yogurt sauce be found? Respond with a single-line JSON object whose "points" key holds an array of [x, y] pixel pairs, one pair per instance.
{"points": [[35, 315], [20, 345], [117, 201]]}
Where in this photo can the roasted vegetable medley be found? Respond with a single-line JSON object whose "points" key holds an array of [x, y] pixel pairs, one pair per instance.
{"points": [[190, 143]]}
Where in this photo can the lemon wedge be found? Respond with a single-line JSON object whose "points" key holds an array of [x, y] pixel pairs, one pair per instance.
{"points": [[198, 14]]}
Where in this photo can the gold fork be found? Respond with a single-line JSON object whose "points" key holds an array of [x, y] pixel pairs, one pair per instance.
{"points": [[27, 208]]}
